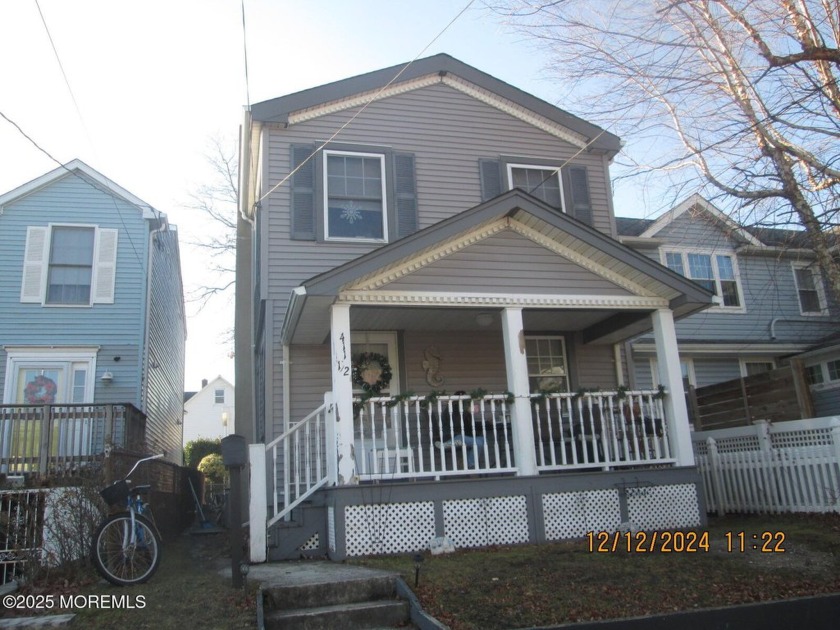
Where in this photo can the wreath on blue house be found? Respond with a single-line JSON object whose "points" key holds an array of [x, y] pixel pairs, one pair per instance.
{"points": [[40, 390]]}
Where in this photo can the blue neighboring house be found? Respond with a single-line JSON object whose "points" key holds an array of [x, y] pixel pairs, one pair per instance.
{"points": [[91, 317], [772, 304]]}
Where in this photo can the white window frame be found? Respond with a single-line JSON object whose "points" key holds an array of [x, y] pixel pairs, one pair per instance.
{"points": [[687, 362], [565, 356], [326, 195], [538, 167], [744, 360], [685, 251], [216, 400], [827, 382], [818, 286], [67, 358], [36, 266]]}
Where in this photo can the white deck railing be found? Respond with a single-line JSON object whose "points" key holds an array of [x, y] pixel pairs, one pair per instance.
{"points": [[771, 467], [455, 435], [603, 429]]}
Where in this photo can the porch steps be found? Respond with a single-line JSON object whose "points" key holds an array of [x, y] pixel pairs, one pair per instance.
{"points": [[343, 602]]}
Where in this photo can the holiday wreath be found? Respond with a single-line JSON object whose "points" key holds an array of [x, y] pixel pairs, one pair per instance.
{"points": [[40, 390], [372, 372]]}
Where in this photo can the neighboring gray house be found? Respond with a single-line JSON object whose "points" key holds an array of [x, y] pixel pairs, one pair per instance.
{"points": [[92, 323], [772, 303], [442, 231]]}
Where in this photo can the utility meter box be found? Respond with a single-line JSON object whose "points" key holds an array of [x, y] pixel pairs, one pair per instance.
{"points": [[234, 451]]}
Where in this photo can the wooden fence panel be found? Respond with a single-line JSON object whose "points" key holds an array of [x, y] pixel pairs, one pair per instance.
{"points": [[775, 395]]}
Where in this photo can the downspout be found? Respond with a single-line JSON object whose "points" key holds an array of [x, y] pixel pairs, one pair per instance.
{"points": [[145, 367]]}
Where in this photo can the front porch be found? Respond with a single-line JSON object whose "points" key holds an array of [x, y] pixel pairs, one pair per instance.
{"points": [[519, 310]]}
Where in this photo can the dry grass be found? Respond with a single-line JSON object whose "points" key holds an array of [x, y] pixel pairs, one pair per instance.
{"points": [[186, 592], [550, 584]]}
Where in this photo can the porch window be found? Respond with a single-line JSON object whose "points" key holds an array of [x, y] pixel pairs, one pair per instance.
{"points": [[543, 183], [547, 367], [354, 196], [809, 289], [716, 272]]}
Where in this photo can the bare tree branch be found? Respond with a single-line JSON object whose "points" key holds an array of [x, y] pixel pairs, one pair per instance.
{"points": [[735, 96]]}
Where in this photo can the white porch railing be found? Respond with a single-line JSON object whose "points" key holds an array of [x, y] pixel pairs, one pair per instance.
{"points": [[301, 451], [415, 437], [602, 429], [782, 467], [454, 435]]}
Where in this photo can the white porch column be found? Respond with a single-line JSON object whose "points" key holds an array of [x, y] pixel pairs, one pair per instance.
{"points": [[257, 503], [342, 386], [670, 375], [517, 381]]}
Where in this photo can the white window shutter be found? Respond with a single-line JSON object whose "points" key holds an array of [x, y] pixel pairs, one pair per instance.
{"points": [[34, 265], [105, 270]]}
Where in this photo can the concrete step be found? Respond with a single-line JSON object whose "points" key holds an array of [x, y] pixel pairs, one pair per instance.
{"points": [[296, 596], [391, 613]]}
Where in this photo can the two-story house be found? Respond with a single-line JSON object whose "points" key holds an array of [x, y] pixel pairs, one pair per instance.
{"points": [[209, 412], [433, 290], [92, 323], [771, 302]]}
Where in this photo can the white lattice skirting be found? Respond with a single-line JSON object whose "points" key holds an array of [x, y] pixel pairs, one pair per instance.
{"points": [[408, 527]]}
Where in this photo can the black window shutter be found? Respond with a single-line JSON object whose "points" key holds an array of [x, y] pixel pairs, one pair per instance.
{"points": [[580, 205], [405, 194], [490, 172], [303, 193]]}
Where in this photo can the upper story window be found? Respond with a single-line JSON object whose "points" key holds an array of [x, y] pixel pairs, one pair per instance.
{"points": [[354, 196], [809, 289], [716, 272], [69, 265], [541, 182], [219, 396]]}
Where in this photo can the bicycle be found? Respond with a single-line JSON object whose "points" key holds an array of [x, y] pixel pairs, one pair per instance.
{"points": [[126, 546]]}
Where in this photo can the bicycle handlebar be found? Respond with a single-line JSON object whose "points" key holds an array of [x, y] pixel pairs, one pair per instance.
{"points": [[140, 461]]}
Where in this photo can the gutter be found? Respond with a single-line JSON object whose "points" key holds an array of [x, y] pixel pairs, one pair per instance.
{"points": [[293, 314], [797, 320]]}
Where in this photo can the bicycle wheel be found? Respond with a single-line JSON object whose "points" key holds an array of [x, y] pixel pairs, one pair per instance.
{"points": [[124, 558]]}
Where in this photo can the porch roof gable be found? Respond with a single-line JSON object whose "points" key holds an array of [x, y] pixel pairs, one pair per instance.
{"points": [[641, 279]]}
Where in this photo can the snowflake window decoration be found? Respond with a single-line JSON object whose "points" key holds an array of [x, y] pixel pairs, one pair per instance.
{"points": [[351, 213]]}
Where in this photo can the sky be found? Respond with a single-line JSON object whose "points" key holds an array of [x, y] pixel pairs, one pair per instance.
{"points": [[140, 90]]}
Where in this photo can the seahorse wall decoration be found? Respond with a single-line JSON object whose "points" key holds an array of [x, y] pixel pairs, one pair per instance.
{"points": [[432, 366]]}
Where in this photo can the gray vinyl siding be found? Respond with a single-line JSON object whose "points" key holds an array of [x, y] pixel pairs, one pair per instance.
{"points": [[447, 131], [711, 371], [594, 367], [826, 401], [768, 288], [166, 346], [72, 200], [510, 263]]}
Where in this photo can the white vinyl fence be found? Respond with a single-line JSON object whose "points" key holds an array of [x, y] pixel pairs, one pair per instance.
{"points": [[771, 467]]}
